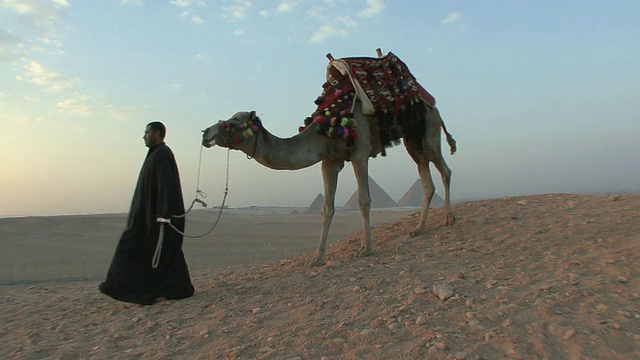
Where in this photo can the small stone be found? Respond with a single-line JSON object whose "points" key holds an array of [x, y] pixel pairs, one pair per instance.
{"points": [[487, 336], [365, 332], [233, 354], [461, 355], [506, 323], [257, 310], [356, 289], [420, 291], [616, 325], [469, 302], [623, 279], [135, 319], [470, 314], [393, 326], [442, 292], [602, 307], [569, 334], [440, 345], [421, 320]]}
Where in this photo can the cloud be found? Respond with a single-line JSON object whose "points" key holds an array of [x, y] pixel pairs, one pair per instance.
{"points": [[11, 46], [238, 10], [196, 19], [325, 32], [36, 27], [330, 30], [238, 33], [38, 74], [452, 17], [186, 3], [125, 114], [79, 104], [374, 7], [286, 6], [37, 13], [130, 2]]}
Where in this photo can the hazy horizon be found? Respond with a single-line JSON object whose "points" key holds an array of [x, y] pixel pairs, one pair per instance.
{"points": [[540, 96]]}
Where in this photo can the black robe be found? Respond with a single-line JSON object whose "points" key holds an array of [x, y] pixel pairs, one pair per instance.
{"points": [[131, 277]]}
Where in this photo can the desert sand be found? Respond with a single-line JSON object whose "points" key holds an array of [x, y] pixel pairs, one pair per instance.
{"points": [[551, 276]]}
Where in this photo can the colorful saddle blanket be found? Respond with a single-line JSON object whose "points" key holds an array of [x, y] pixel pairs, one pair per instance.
{"points": [[385, 82], [383, 85]]}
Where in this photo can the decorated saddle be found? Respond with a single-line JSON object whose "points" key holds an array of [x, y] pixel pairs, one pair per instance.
{"points": [[384, 86]]}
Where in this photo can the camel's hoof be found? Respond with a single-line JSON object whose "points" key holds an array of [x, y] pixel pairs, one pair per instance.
{"points": [[316, 262], [415, 233], [363, 253], [450, 220]]}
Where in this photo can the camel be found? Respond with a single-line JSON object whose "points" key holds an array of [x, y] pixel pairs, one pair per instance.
{"points": [[244, 132]]}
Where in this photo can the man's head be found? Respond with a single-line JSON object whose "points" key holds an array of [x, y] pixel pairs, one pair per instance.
{"points": [[154, 133]]}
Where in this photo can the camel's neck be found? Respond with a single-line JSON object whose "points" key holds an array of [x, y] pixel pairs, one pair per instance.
{"points": [[297, 152]]}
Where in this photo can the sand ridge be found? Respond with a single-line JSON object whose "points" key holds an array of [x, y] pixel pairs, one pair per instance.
{"points": [[551, 276]]}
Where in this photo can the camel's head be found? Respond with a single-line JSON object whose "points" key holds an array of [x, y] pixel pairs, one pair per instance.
{"points": [[231, 133]]}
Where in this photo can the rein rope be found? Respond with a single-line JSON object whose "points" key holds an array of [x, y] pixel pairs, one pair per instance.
{"points": [[156, 256]]}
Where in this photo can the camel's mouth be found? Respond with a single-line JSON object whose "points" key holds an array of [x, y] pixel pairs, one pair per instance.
{"points": [[208, 143], [208, 139]]}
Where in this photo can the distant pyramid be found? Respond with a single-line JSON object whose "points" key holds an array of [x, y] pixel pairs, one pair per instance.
{"points": [[413, 196], [316, 205], [379, 198]]}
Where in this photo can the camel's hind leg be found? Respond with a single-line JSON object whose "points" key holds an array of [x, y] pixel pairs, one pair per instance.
{"points": [[445, 173], [428, 189], [330, 170], [361, 170]]}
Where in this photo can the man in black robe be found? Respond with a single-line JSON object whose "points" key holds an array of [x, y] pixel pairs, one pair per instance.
{"points": [[135, 274]]}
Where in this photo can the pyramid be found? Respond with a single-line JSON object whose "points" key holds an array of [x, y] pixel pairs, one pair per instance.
{"points": [[379, 198], [316, 205], [413, 196]]}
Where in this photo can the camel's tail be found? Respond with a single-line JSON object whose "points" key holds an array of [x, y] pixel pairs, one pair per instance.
{"points": [[450, 140]]}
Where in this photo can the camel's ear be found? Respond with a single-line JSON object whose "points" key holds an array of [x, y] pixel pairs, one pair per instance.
{"points": [[252, 115]]}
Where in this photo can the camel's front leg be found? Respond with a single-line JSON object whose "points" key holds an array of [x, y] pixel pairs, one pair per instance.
{"points": [[330, 170], [361, 170]]}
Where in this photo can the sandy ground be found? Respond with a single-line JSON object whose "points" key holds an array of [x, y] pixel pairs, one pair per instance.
{"points": [[538, 277]]}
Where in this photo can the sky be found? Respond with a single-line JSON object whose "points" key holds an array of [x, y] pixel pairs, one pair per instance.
{"points": [[540, 95]]}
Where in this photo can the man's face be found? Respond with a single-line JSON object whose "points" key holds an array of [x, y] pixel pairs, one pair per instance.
{"points": [[151, 137]]}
